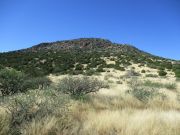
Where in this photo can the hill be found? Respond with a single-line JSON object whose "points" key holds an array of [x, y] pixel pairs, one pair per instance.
{"points": [[88, 86], [81, 56]]}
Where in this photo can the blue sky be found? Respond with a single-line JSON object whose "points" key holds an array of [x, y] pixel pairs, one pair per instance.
{"points": [[150, 25]]}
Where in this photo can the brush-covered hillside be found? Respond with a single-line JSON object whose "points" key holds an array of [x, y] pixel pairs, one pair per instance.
{"points": [[83, 56], [88, 86]]}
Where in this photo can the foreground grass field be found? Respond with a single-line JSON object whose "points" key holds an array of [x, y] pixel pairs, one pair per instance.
{"points": [[130, 106]]}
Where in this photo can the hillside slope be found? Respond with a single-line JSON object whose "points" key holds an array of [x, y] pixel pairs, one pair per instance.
{"points": [[81, 56]]}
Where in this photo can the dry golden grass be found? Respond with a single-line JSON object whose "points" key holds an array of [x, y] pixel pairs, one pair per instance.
{"points": [[108, 112], [132, 122], [4, 121], [127, 117]]}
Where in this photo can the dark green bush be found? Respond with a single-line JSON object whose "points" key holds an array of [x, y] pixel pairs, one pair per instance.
{"points": [[110, 66], [11, 81], [37, 83], [177, 73], [76, 72], [79, 67], [1, 67], [90, 72], [143, 71], [162, 73], [100, 69]]}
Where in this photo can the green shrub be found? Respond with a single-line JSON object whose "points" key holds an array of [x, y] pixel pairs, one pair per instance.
{"points": [[25, 108], [161, 68], [177, 73], [77, 87], [153, 84], [170, 86], [90, 72], [178, 79], [169, 65], [100, 69], [162, 73], [37, 83], [11, 81], [143, 71], [110, 66], [79, 67], [76, 72], [142, 94], [1, 67], [151, 75], [120, 68]]}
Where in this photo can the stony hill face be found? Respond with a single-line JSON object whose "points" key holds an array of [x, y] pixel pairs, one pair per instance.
{"points": [[83, 44]]}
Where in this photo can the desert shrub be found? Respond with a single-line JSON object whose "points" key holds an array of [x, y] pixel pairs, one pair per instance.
{"points": [[37, 83], [75, 72], [170, 86], [119, 82], [143, 71], [90, 72], [161, 68], [110, 66], [142, 94], [120, 68], [35, 106], [1, 67], [134, 82], [168, 65], [151, 75], [100, 69], [132, 73], [162, 73], [177, 73], [79, 67], [176, 66], [153, 84], [11, 81], [77, 86], [178, 79]]}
